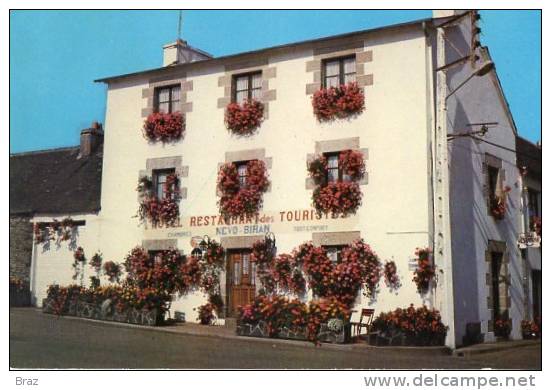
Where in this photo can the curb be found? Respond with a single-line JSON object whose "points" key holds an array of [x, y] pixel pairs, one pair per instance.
{"points": [[487, 348]]}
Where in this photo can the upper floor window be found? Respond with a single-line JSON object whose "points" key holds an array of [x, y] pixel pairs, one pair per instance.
{"points": [[533, 203], [493, 177], [339, 71], [159, 182], [242, 173], [247, 87], [334, 169], [334, 252], [167, 99]]}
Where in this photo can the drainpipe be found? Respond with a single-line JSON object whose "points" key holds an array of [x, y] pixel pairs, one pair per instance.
{"points": [[442, 247]]}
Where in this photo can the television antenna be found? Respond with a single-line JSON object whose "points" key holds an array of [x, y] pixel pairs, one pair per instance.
{"points": [[179, 25]]}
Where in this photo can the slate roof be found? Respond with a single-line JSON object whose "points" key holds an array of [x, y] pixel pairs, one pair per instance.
{"points": [[55, 181], [529, 155]]}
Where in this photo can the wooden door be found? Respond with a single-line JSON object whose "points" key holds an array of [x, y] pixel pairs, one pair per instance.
{"points": [[242, 280]]}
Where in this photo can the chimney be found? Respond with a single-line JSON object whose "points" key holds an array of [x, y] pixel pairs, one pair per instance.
{"points": [[180, 52], [444, 13], [90, 139]]}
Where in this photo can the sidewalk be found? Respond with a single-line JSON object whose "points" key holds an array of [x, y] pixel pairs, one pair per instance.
{"points": [[478, 349], [225, 332]]}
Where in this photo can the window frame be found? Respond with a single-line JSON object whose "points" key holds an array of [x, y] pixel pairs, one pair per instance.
{"points": [[170, 100], [244, 164], [341, 74], [492, 181], [156, 173], [338, 248], [250, 88], [533, 202]]}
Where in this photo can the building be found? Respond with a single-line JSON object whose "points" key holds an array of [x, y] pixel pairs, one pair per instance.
{"points": [[421, 187], [50, 185], [530, 165]]}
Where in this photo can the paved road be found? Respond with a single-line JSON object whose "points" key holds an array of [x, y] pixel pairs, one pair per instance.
{"points": [[44, 341]]}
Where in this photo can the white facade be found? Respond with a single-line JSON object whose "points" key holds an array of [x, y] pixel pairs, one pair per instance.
{"points": [[396, 133]]}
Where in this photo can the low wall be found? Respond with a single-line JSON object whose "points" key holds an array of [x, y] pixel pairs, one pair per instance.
{"points": [[325, 334], [106, 312]]}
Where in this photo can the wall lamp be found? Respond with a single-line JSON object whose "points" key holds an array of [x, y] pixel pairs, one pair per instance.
{"points": [[484, 69]]}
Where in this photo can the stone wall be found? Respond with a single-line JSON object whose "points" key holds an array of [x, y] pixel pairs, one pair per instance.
{"points": [[21, 240]]}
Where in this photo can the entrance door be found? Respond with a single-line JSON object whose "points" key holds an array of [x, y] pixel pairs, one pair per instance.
{"points": [[242, 283], [536, 293]]}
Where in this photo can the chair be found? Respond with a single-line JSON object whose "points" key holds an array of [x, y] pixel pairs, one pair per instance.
{"points": [[366, 319]]}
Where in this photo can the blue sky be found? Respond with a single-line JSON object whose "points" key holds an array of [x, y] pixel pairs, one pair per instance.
{"points": [[56, 55]]}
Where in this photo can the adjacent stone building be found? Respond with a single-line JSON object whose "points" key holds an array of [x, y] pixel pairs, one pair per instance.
{"points": [[58, 183]]}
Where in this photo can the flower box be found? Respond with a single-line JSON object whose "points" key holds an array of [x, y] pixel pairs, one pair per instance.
{"points": [[243, 119], [164, 127], [338, 102]]}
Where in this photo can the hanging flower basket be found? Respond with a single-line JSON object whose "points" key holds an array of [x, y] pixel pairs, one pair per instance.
{"points": [[243, 119], [338, 102], [425, 271], [164, 127], [246, 201]]}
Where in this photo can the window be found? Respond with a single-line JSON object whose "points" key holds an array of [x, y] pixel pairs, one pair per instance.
{"points": [[159, 182], [247, 86], [533, 203], [197, 253], [499, 286], [167, 99], [242, 173], [334, 170], [339, 71], [334, 252], [156, 256], [493, 177]]}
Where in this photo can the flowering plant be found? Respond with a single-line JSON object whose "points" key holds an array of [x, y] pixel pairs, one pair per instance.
{"points": [[112, 270], [338, 102], [246, 200], [535, 224], [340, 197], [55, 230], [243, 119], [498, 204], [392, 280], [160, 212], [210, 266], [17, 284], [502, 327], [205, 314], [276, 311], [317, 168], [337, 198], [321, 311], [95, 262], [422, 325], [359, 267], [530, 329], [164, 127], [425, 271], [78, 263]]}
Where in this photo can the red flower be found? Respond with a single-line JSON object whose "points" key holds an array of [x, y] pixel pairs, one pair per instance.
{"points": [[164, 127], [337, 198], [338, 102], [236, 201], [243, 119], [160, 212], [425, 271]]}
